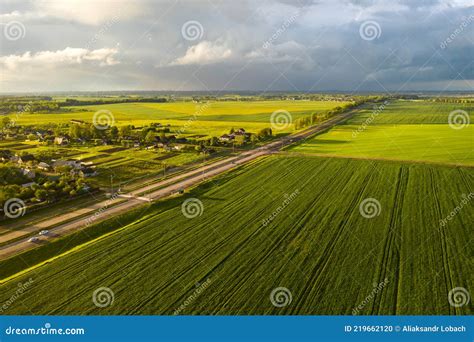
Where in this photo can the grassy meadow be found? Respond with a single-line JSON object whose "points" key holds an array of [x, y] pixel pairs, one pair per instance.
{"points": [[318, 245], [412, 112], [403, 130], [213, 118]]}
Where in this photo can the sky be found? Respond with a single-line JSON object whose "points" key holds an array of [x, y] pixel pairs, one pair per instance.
{"points": [[223, 45]]}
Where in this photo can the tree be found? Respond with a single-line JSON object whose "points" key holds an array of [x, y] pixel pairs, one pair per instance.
{"points": [[213, 141], [150, 137], [114, 132], [265, 133], [125, 131], [239, 140], [6, 122], [75, 131], [41, 195], [163, 137], [144, 132], [253, 139]]}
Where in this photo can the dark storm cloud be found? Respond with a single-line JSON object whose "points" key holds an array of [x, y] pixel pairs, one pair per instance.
{"points": [[265, 45]]}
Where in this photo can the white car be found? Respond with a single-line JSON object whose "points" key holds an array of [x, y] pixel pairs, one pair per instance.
{"points": [[44, 232], [33, 239]]}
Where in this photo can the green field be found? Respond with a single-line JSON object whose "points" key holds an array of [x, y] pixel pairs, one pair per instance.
{"points": [[404, 130], [213, 118], [413, 112], [318, 246]]}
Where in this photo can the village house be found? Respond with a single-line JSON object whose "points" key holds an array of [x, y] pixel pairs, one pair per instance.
{"points": [[5, 155], [28, 173], [227, 137], [43, 166], [28, 185], [61, 141], [27, 158], [75, 164], [88, 172]]}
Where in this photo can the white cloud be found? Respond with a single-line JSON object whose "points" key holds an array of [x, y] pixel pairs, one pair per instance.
{"points": [[204, 53], [89, 12], [68, 56], [289, 52]]}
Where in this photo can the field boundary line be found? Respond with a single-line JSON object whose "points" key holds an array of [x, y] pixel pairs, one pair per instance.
{"points": [[402, 161]]}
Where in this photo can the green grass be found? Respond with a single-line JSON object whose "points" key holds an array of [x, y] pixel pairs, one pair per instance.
{"points": [[214, 118], [412, 112], [397, 134], [319, 246], [437, 143]]}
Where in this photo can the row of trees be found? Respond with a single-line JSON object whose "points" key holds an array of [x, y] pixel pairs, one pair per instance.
{"points": [[320, 117]]}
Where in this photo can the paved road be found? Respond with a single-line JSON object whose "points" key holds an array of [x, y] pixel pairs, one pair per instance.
{"points": [[78, 219]]}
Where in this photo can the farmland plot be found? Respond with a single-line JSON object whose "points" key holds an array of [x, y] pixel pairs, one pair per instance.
{"points": [[323, 233], [403, 130]]}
